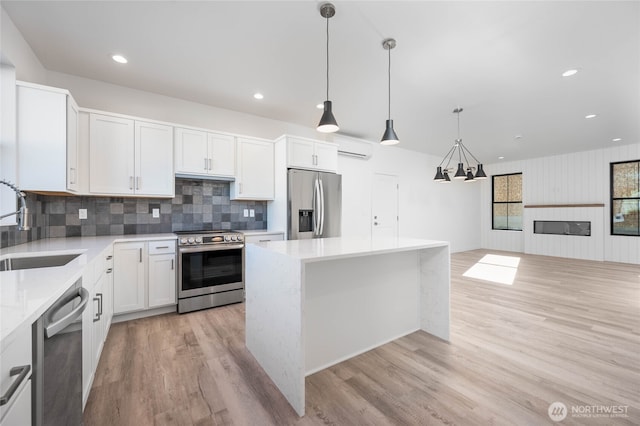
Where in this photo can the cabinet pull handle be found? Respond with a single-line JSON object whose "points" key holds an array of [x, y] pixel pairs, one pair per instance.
{"points": [[240, 187], [21, 372], [205, 163], [264, 241], [99, 304], [210, 165], [162, 247], [72, 175], [109, 257], [138, 182], [110, 270], [172, 264], [140, 255], [96, 318], [131, 182]]}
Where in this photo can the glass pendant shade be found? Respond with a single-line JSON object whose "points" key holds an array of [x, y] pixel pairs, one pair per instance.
{"points": [[460, 173], [439, 175], [480, 173], [389, 137], [328, 123]]}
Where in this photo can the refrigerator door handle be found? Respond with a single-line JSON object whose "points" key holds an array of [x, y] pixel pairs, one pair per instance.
{"points": [[321, 209], [314, 203]]}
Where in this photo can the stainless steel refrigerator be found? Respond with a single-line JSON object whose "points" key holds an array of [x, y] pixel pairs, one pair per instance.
{"points": [[314, 204]]}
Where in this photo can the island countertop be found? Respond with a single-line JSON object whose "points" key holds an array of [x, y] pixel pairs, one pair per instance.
{"points": [[320, 249]]}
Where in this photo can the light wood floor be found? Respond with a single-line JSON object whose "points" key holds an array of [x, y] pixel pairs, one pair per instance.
{"points": [[566, 331]]}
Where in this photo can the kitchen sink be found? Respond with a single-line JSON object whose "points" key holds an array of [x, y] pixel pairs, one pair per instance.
{"points": [[32, 262]]}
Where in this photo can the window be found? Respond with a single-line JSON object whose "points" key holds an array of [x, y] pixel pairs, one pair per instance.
{"points": [[625, 198], [507, 202]]}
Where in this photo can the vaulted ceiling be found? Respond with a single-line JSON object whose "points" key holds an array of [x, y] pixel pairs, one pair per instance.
{"points": [[501, 61]]}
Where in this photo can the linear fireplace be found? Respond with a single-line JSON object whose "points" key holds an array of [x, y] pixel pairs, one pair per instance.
{"points": [[562, 227]]}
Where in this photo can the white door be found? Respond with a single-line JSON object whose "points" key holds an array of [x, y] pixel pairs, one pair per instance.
{"points": [[326, 156], [384, 206], [191, 151], [254, 168], [111, 155], [154, 159], [162, 280], [222, 154], [300, 153], [130, 272]]}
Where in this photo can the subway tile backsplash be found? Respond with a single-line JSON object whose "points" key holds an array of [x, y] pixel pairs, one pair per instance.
{"points": [[198, 204]]}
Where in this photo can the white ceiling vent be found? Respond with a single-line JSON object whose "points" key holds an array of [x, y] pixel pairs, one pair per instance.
{"points": [[353, 147]]}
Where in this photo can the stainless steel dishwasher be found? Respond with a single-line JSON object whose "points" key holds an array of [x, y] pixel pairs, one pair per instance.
{"points": [[57, 360]]}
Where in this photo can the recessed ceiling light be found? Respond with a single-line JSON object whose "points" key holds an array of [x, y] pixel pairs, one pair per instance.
{"points": [[517, 137], [569, 73], [258, 95], [119, 59], [590, 116], [501, 158], [320, 106], [616, 139]]}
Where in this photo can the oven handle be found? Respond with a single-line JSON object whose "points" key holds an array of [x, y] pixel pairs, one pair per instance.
{"points": [[198, 249]]}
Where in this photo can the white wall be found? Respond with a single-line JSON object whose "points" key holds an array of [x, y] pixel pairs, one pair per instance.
{"points": [[577, 178], [427, 209]]}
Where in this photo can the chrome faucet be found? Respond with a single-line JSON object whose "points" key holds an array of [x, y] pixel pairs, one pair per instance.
{"points": [[23, 218]]}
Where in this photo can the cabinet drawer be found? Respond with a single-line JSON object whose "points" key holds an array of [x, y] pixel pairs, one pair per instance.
{"points": [[264, 237], [162, 247], [17, 354]]}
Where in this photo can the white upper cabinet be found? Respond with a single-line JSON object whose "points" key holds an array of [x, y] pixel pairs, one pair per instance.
{"points": [[205, 154], [311, 155], [254, 170], [130, 157], [47, 135], [154, 159]]}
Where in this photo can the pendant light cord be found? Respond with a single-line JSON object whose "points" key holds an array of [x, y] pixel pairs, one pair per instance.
{"points": [[327, 17], [389, 82]]}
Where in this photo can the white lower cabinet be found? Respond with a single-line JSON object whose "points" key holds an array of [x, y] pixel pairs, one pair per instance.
{"points": [[130, 274], [20, 412], [16, 358], [96, 318], [144, 275]]}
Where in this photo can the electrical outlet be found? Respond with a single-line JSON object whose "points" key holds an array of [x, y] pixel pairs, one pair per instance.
{"points": [[246, 212], [252, 213], [82, 213], [155, 213]]}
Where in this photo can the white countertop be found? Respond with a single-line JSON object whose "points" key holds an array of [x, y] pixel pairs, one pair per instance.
{"points": [[320, 249], [26, 294], [259, 232]]}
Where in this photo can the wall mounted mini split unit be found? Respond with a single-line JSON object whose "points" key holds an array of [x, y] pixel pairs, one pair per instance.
{"points": [[352, 147]]}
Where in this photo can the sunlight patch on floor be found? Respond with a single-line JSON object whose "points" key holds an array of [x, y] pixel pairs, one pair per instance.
{"points": [[495, 268]]}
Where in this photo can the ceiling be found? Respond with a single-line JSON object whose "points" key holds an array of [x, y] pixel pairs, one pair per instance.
{"points": [[501, 61]]}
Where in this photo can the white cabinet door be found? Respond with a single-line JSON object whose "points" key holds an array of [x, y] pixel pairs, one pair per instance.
{"points": [[111, 155], [300, 153], [191, 152], [129, 269], [73, 145], [162, 280], [97, 306], [153, 159], [222, 154], [326, 156], [20, 412], [41, 134], [254, 170]]}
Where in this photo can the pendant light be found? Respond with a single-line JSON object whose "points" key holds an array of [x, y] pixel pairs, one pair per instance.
{"points": [[389, 137], [328, 123], [462, 172]]}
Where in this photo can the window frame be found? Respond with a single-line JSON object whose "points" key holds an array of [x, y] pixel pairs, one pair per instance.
{"points": [[493, 202], [612, 198]]}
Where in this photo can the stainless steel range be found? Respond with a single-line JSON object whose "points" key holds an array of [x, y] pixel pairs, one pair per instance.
{"points": [[210, 269]]}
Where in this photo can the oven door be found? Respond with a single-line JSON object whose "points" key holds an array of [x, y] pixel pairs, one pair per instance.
{"points": [[213, 269]]}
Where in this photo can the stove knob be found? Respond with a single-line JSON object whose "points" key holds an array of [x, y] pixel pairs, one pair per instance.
{"points": [[198, 240], [183, 241], [233, 238], [191, 241], [227, 238], [240, 238]]}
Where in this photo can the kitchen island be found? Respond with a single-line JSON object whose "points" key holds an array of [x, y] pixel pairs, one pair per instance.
{"points": [[314, 303]]}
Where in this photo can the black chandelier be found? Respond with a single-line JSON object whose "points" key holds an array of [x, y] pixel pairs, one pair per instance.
{"points": [[462, 172]]}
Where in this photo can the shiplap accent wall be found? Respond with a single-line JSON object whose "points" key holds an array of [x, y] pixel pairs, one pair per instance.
{"points": [[581, 177]]}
